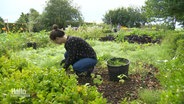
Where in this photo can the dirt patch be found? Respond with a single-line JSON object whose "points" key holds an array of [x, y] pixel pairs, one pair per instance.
{"points": [[114, 92], [107, 38]]}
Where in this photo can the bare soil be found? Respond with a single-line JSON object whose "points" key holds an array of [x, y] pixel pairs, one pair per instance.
{"points": [[115, 92]]}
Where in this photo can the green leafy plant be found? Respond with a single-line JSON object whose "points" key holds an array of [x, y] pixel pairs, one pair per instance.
{"points": [[97, 79], [122, 78], [149, 96], [43, 85], [117, 62]]}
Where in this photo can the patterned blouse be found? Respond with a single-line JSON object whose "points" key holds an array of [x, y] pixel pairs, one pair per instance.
{"points": [[77, 48]]}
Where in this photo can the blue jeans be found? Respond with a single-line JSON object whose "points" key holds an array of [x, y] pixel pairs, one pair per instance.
{"points": [[83, 64]]}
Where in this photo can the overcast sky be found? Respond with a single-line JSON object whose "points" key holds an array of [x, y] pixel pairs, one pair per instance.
{"points": [[92, 10]]}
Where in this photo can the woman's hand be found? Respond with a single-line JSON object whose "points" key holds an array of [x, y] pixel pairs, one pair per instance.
{"points": [[62, 62]]}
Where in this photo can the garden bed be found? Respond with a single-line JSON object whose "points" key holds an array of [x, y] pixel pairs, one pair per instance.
{"points": [[114, 92]]}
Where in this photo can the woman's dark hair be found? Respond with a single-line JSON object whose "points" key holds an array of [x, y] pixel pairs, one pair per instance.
{"points": [[56, 32]]}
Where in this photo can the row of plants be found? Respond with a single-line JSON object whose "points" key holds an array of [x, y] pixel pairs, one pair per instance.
{"points": [[13, 27], [18, 41], [171, 72], [100, 31]]}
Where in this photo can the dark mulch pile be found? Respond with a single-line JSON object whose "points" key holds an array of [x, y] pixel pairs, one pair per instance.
{"points": [[140, 39], [133, 39], [107, 38], [114, 92]]}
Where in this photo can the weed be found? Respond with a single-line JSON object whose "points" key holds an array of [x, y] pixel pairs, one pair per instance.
{"points": [[149, 96]]}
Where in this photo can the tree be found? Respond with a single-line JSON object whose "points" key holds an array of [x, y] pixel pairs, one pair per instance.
{"points": [[1, 20], [60, 12], [176, 9], [30, 19], [1, 24], [23, 18], [130, 17], [33, 24], [169, 11]]}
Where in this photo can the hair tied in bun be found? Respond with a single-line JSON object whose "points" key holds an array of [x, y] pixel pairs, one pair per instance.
{"points": [[55, 27]]}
